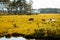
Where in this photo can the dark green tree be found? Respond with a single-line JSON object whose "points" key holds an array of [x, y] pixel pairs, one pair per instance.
{"points": [[21, 6]]}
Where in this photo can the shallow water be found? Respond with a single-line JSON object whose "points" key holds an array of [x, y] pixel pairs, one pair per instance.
{"points": [[14, 38]]}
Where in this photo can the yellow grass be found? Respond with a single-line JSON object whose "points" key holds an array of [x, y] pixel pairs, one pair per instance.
{"points": [[21, 24]]}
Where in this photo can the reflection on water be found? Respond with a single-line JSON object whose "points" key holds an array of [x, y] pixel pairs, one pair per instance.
{"points": [[15, 38]]}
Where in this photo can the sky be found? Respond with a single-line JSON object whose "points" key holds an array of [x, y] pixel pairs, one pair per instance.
{"points": [[45, 4]]}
